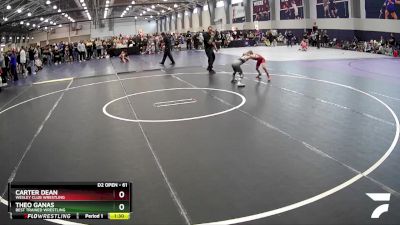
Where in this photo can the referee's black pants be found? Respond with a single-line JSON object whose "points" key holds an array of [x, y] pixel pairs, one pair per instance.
{"points": [[211, 58], [167, 53]]}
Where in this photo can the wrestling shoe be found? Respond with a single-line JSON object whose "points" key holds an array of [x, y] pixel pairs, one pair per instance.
{"points": [[240, 84], [233, 78]]}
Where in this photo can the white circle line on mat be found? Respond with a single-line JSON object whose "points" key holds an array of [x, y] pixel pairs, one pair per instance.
{"points": [[334, 189], [174, 120]]}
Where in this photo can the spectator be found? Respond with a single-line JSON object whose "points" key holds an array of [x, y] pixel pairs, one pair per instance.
{"points": [[22, 60]]}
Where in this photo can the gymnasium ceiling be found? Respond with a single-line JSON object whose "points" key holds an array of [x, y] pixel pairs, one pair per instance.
{"points": [[21, 16]]}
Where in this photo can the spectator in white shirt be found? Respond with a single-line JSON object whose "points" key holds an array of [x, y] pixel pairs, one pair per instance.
{"points": [[22, 59], [81, 50]]}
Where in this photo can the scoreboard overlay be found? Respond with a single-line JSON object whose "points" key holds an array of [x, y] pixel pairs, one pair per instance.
{"points": [[70, 200]]}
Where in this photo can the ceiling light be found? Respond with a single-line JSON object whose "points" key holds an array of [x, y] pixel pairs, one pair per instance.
{"points": [[169, 8], [205, 7], [10, 38], [45, 28], [220, 4], [29, 14], [133, 2], [195, 11], [48, 2], [151, 16], [83, 4], [152, 6], [60, 25], [165, 0], [163, 11], [46, 21], [41, 19], [55, 24], [130, 6], [127, 9], [8, 7], [82, 1], [28, 24], [148, 9], [22, 22], [135, 17], [175, 5], [19, 11], [158, 13], [5, 19], [31, 38], [17, 38], [38, 26], [140, 14], [54, 7], [85, 7], [33, 25], [186, 13], [59, 10], [51, 22]]}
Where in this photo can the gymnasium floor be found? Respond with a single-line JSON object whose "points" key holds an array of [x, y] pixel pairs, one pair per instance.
{"points": [[304, 149]]}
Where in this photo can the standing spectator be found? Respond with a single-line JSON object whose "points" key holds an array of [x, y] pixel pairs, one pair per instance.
{"points": [[317, 35], [3, 70], [51, 55], [392, 41], [32, 60], [99, 46], [57, 56], [201, 40], [81, 50], [89, 49], [104, 49], [13, 65], [196, 41], [75, 52], [189, 41], [22, 60], [289, 38], [382, 41]]}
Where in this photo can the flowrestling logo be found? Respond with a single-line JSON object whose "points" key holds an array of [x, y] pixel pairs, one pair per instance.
{"points": [[379, 197]]}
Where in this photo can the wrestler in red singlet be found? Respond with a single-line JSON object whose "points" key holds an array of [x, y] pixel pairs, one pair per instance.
{"points": [[260, 62]]}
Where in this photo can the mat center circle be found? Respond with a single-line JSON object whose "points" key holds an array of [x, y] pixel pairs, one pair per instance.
{"points": [[176, 102]]}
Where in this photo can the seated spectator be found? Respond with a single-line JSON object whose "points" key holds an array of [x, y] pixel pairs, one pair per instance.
{"points": [[124, 58], [303, 45], [381, 49]]}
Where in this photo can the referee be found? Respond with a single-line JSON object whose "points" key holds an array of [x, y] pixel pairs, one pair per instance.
{"points": [[209, 45], [167, 49]]}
